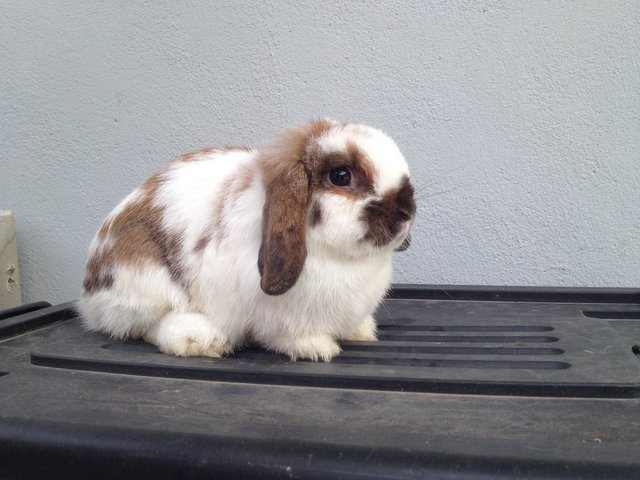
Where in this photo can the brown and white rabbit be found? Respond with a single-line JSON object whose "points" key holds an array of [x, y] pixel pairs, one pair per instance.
{"points": [[288, 246]]}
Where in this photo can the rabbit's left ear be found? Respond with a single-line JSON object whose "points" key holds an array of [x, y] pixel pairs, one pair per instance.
{"points": [[283, 249]]}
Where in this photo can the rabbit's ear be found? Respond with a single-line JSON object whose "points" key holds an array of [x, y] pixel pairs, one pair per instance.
{"points": [[283, 249]]}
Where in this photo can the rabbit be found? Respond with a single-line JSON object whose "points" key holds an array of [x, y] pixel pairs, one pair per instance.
{"points": [[289, 246]]}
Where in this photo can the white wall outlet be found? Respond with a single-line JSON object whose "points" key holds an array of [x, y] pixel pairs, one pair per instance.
{"points": [[9, 274]]}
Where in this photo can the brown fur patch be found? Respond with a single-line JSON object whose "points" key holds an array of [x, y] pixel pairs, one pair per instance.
{"points": [[104, 229], [316, 214], [202, 242], [97, 274], [290, 148], [152, 184], [138, 240], [385, 217]]}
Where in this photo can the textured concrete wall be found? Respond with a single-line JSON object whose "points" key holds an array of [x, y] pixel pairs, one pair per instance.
{"points": [[520, 120]]}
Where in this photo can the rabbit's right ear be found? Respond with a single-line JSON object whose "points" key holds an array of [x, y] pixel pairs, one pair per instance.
{"points": [[283, 249]]}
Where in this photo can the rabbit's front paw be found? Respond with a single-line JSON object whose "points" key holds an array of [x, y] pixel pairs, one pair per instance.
{"points": [[187, 335], [366, 331], [311, 347]]}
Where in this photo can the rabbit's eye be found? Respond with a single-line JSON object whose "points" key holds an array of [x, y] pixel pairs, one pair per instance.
{"points": [[340, 176]]}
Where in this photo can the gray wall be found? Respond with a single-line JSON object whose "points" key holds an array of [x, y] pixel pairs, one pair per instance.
{"points": [[520, 120]]}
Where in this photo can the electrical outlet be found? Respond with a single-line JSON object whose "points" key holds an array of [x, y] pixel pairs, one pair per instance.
{"points": [[9, 274]]}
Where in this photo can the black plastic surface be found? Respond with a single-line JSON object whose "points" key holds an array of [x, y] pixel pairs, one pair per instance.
{"points": [[475, 388], [32, 317], [421, 348], [29, 307]]}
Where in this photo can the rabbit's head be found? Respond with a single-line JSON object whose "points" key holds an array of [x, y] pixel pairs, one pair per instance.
{"points": [[341, 191]]}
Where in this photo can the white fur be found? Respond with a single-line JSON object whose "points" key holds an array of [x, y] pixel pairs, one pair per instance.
{"points": [[138, 298], [187, 335], [197, 183], [220, 305]]}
